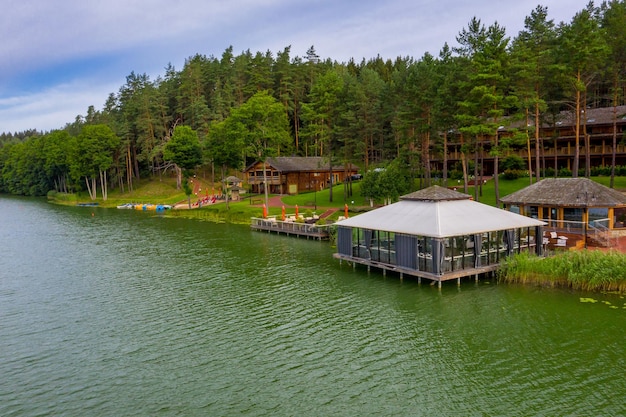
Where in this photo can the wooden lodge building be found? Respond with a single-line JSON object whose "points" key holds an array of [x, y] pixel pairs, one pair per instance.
{"points": [[437, 234], [557, 142], [577, 208], [295, 174]]}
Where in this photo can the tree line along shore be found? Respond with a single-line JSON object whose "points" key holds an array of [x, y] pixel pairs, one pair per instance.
{"points": [[251, 106], [218, 114]]}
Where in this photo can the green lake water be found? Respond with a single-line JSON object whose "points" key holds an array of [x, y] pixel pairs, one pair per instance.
{"points": [[127, 313]]}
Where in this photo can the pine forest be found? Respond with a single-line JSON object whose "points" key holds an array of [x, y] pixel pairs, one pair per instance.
{"points": [[227, 111]]}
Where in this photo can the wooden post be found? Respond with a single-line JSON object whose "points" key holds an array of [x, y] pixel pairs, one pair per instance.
{"points": [[419, 280], [458, 281]]}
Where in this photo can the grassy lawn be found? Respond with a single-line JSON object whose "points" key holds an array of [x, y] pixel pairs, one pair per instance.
{"points": [[506, 187], [241, 211], [322, 198], [164, 191], [146, 191], [149, 191], [619, 183]]}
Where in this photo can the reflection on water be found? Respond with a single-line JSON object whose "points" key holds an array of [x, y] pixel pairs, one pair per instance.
{"points": [[130, 313]]}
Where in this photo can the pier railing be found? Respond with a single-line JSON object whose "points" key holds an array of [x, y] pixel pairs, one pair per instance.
{"points": [[290, 227], [598, 229]]}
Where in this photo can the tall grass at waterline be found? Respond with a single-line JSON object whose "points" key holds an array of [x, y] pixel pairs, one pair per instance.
{"points": [[589, 270]]}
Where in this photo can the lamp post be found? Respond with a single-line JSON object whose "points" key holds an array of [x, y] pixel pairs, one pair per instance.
{"points": [[586, 213], [585, 231]]}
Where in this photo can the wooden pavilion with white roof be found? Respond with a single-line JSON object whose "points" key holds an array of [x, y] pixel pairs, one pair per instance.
{"points": [[437, 234]]}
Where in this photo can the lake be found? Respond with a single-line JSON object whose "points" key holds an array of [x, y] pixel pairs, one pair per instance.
{"points": [[123, 313]]}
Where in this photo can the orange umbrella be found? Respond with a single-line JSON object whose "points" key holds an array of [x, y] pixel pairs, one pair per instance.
{"points": [[296, 211], [264, 211], [345, 211], [283, 213]]}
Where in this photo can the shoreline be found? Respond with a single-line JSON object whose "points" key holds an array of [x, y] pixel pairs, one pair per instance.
{"points": [[565, 270]]}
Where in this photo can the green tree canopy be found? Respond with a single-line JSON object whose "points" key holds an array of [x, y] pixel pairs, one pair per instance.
{"points": [[95, 146], [183, 149], [263, 125]]}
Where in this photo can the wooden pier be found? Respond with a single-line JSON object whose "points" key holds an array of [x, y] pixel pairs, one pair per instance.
{"points": [[434, 278], [290, 228]]}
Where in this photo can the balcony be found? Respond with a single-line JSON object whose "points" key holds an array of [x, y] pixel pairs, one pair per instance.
{"points": [[261, 180]]}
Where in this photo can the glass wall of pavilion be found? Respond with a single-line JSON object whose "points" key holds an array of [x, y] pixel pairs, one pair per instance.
{"points": [[437, 255]]}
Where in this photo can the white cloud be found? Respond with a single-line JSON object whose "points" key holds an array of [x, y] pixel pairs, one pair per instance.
{"points": [[51, 41], [40, 30], [52, 108]]}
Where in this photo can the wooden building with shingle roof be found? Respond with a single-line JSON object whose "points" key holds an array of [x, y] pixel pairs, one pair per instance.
{"points": [[571, 204], [295, 174], [557, 140]]}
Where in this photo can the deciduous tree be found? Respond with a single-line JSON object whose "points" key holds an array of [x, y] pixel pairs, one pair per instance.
{"points": [[184, 150]]}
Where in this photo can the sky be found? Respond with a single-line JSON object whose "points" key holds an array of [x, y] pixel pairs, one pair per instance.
{"points": [[57, 58]]}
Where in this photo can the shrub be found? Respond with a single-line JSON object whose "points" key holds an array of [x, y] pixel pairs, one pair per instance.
{"points": [[601, 171], [513, 174], [455, 174], [565, 172], [513, 163]]}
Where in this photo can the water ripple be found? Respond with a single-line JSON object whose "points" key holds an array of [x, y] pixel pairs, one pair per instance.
{"points": [[153, 316]]}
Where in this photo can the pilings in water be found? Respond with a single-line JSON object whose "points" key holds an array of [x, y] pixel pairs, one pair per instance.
{"points": [[434, 279]]}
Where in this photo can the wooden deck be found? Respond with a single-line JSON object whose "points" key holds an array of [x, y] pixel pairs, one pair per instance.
{"points": [[447, 276], [290, 228]]}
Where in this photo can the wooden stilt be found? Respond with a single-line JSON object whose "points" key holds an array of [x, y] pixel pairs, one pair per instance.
{"points": [[458, 282], [419, 280], [439, 284]]}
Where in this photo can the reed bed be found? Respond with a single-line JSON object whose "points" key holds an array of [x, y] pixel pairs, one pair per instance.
{"points": [[582, 270]]}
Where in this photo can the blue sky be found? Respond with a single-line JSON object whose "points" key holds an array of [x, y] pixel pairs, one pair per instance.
{"points": [[59, 57]]}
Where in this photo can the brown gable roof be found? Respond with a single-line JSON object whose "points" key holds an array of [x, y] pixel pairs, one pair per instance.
{"points": [[298, 163], [601, 115], [566, 118], [435, 193], [301, 163], [567, 192], [233, 180]]}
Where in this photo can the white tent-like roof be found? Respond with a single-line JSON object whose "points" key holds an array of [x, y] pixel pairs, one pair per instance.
{"points": [[439, 212]]}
